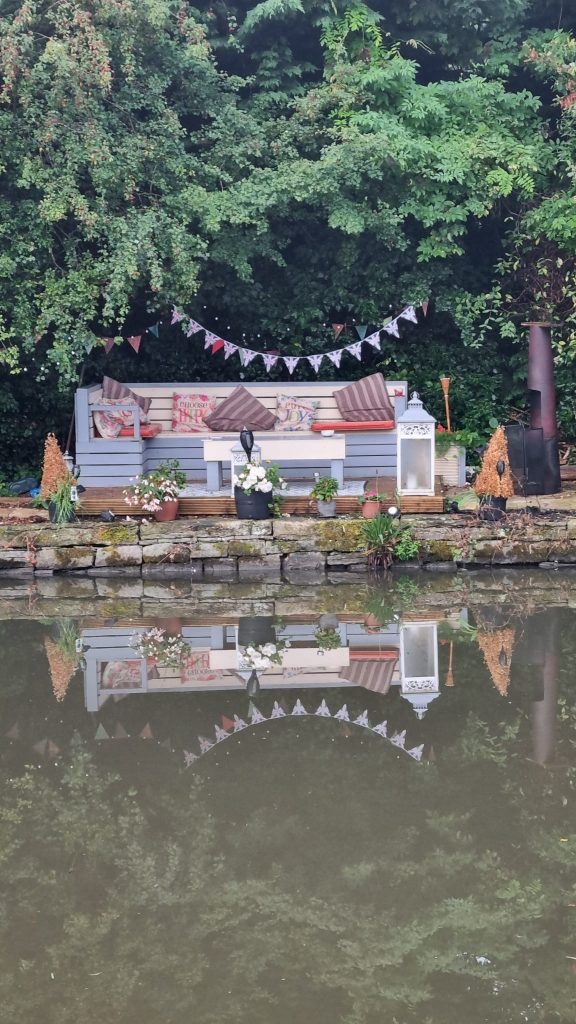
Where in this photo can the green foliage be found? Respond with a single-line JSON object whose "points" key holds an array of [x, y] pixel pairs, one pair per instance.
{"points": [[325, 489], [387, 539]]}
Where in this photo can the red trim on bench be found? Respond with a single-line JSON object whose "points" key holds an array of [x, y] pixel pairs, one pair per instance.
{"points": [[146, 430], [354, 425]]}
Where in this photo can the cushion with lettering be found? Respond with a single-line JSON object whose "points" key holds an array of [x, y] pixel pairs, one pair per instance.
{"points": [[240, 409], [365, 399], [114, 389], [189, 411], [295, 413]]}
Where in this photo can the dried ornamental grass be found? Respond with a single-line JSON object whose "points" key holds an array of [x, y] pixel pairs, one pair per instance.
{"points": [[497, 647], [488, 481], [54, 469], [62, 668]]}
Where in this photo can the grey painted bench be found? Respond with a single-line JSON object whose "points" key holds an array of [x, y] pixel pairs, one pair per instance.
{"points": [[114, 462]]}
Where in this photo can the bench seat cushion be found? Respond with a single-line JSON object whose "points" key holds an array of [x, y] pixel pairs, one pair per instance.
{"points": [[342, 425], [146, 430]]}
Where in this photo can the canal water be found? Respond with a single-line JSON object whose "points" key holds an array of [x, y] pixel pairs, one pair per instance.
{"points": [[349, 803]]}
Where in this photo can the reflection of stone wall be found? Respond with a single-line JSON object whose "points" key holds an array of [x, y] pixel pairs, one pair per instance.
{"points": [[230, 548]]}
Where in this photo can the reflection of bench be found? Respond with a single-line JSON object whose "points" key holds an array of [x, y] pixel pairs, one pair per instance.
{"points": [[280, 448], [112, 462]]}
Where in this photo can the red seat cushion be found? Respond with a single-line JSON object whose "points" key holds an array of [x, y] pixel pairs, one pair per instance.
{"points": [[146, 430], [354, 425]]}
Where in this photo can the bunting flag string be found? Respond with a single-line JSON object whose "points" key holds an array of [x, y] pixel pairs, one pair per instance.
{"points": [[215, 343]]}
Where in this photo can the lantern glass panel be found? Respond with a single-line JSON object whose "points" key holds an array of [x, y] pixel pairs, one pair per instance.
{"points": [[415, 464], [419, 651]]}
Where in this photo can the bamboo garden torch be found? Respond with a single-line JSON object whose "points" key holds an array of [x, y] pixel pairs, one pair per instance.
{"points": [[445, 382]]}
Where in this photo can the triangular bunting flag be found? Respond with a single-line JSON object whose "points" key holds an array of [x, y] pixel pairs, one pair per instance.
{"points": [[362, 720], [227, 723], [147, 733], [221, 734], [416, 752], [277, 711], [299, 708], [217, 346], [40, 747], [355, 349], [291, 362], [338, 328], [398, 739], [392, 328], [177, 316], [424, 306], [108, 345], [342, 715], [209, 339], [374, 339], [239, 724], [205, 745], [381, 729], [409, 314], [323, 711], [361, 330], [269, 360], [189, 757], [135, 340], [315, 361], [101, 733], [14, 732], [193, 328], [336, 356], [155, 330], [247, 355], [256, 716], [229, 349], [120, 732]]}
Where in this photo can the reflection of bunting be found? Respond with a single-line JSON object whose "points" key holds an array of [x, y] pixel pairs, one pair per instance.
{"points": [[336, 356], [355, 349], [315, 361], [291, 362]]}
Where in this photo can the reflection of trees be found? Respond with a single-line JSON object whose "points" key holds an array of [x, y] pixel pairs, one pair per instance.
{"points": [[322, 879]]}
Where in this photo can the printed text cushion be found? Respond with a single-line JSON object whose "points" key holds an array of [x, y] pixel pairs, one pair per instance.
{"points": [[114, 389], [365, 399], [295, 413], [240, 410], [189, 412]]}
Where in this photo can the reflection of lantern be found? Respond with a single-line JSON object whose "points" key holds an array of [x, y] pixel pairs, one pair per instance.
{"points": [[419, 679], [416, 449]]}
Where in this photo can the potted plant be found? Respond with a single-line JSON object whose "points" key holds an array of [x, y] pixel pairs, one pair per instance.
{"points": [[158, 491], [62, 501], [327, 638], [324, 492], [370, 503], [253, 490], [261, 657], [160, 647], [493, 485]]}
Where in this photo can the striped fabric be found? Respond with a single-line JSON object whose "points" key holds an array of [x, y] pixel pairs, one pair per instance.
{"points": [[114, 389], [365, 399], [372, 675], [240, 410]]}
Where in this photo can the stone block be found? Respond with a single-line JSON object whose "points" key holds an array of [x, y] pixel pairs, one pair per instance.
{"points": [[64, 558], [123, 556], [97, 534], [248, 547], [18, 558], [114, 570], [166, 553], [321, 534], [168, 571], [341, 558], [257, 568], [220, 568], [125, 589], [208, 549], [305, 560]]}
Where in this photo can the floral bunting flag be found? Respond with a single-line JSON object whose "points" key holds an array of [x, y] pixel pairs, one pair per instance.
{"points": [[135, 341], [269, 360], [392, 328], [315, 360], [409, 314], [193, 328], [355, 349], [291, 362], [177, 316], [336, 356], [374, 339], [247, 355], [229, 349], [209, 339]]}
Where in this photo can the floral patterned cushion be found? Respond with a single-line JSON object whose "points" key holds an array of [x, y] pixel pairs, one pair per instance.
{"points": [[189, 412], [295, 413], [111, 423]]}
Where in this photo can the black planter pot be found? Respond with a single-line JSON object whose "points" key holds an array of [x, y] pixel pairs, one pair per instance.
{"points": [[53, 514], [256, 630], [253, 506], [492, 509]]}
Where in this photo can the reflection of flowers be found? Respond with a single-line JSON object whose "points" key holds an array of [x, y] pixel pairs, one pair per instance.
{"points": [[158, 645], [263, 656], [327, 638]]}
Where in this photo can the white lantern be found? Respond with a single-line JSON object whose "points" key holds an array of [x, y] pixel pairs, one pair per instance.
{"points": [[415, 449], [419, 680]]}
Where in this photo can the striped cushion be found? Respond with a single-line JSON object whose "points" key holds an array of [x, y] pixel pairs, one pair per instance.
{"points": [[240, 410], [365, 399], [114, 389]]}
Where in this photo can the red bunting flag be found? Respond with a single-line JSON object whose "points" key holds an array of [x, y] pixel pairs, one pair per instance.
{"points": [[218, 344], [135, 340], [227, 723], [108, 345], [338, 328]]}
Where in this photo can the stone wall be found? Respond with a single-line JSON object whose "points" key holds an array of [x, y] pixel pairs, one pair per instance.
{"points": [[228, 549]]}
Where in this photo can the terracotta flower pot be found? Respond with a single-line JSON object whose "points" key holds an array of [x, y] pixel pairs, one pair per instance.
{"points": [[168, 512], [370, 509]]}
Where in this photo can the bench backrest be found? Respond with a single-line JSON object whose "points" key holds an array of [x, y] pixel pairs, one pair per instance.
{"points": [[267, 393]]}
